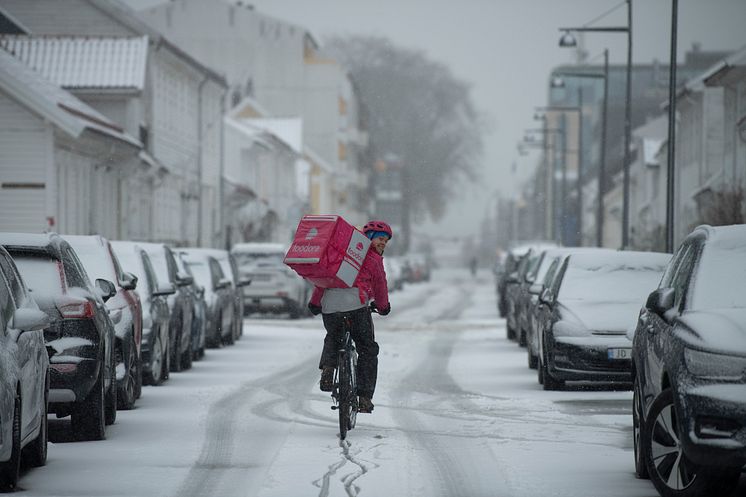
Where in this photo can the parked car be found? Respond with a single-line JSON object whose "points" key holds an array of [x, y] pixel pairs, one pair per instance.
{"points": [[155, 315], [394, 267], [199, 310], [513, 289], [274, 286], [125, 311], [689, 368], [588, 309], [549, 263], [218, 295], [229, 266], [80, 338], [180, 304], [24, 382]]}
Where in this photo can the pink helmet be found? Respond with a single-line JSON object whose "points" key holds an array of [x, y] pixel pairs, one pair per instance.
{"points": [[378, 226]]}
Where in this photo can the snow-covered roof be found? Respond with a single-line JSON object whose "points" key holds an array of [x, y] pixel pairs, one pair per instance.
{"points": [[83, 62], [48, 100], [259, 248]]}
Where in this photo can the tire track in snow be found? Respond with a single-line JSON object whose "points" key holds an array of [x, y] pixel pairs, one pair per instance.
{"points": [[216, 472]]}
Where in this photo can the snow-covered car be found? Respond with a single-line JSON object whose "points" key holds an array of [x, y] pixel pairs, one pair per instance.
{"points": [[229, 266], [180, 304], [274, 286], [80, 338], [125, 312], [218, 296], [24, 377], [689, 368], [199, 309], [589, 307], [394, 268], [155, 314]]}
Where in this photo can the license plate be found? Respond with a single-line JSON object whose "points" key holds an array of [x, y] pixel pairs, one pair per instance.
{"points": [[619, 353]]}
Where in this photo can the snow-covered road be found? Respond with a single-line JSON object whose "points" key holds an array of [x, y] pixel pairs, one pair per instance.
{"points": [[458, 413]]}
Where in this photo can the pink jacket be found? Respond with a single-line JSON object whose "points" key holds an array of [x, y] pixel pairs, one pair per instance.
{"points": [[371, 281]]}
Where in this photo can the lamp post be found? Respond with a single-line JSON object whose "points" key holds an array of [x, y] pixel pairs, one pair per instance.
{"points": [[578, 181], [671, 160], [602, 161], [568, 40], [528, 139]]}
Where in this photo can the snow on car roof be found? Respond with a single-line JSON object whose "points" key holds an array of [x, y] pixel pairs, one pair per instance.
{"points": [[25, 239], [94, 254], [257, 247]]}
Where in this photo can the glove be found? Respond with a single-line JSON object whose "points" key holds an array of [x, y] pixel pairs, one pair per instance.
{"points": [[315, 309], [385, 310]]}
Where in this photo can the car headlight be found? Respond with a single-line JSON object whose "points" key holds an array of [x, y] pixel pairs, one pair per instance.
{"points": [[716, 366]]}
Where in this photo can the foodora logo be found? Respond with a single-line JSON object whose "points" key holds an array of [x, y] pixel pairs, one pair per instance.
{"points": [[312, 234]]}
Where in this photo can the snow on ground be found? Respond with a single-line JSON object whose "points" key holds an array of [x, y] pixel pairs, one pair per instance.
{"points": [[458, 413]]}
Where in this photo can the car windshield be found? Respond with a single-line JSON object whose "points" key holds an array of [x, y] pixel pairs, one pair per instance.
{"points": [[131, 262], [201, 272], [42, 275], [96, 261], [607, 278], [160, 265], [720, 276]]}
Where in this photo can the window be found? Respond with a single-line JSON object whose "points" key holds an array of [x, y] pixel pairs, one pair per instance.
{"points": [[6, 304]]}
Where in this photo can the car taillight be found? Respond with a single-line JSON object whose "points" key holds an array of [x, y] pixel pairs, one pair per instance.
{"points": [[76, 309]]}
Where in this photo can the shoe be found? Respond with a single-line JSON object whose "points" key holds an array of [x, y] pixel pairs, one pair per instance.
{"points": [[365, 405], [327, 379]]}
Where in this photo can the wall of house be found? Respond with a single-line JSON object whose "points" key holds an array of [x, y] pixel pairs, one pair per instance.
{"points": [[70, 17], [27, 186]]}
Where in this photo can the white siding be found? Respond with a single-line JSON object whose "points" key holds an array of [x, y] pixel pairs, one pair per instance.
{"points": [[25, 159]]}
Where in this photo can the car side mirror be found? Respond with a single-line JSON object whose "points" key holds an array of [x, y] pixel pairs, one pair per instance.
{"points": [[164, 291], [25, 319], [661, 300], [535, 289], [106, 289], [546, 297], [129, 281], [224, 283], [244, 282], [513, 278], [184, 280]]}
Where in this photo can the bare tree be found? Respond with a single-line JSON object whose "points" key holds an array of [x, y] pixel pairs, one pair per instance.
{"points": [[418, 111]]}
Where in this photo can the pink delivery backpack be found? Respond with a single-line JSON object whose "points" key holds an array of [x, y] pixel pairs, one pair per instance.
{"points": [[327, 251]]}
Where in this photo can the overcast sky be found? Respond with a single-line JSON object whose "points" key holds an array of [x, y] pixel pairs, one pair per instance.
{"points": [[506, 49]]}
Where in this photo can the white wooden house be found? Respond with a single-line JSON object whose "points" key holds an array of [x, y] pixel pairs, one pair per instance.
{"points": [[61, 161]]}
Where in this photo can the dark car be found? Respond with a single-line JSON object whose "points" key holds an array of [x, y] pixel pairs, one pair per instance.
{"points": [[80, 339], [218, 295], [513, 285], [689, 367], [155, 314], [587, 310], [230, 269], [125, 311], [180, 304], [199, 310], [24, 384]]}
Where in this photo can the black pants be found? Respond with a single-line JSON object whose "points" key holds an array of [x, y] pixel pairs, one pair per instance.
{"points": [[365, 343]]}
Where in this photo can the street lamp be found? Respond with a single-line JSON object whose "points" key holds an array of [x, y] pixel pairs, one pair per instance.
{"points": [[529, 139], [602, 163], [568, 40]]}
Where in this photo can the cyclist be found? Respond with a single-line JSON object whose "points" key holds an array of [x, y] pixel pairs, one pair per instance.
{"points": [[333, 303]]}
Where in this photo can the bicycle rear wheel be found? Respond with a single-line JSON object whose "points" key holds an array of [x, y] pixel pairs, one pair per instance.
{"points": [[344, 406]]}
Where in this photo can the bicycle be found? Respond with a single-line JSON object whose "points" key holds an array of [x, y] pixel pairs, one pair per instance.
{"points": [[344, 391]]}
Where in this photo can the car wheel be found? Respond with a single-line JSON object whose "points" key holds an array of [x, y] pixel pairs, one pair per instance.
{"points": [[522, 339], [166, 361], [10, 470], [186, 357], [88, 418], [110, 399], [127, 391], [176, 354], [533, 360], [155, 377], [641, 470], [672, 473], [35, 453], [510, 332], [550, 382]]}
